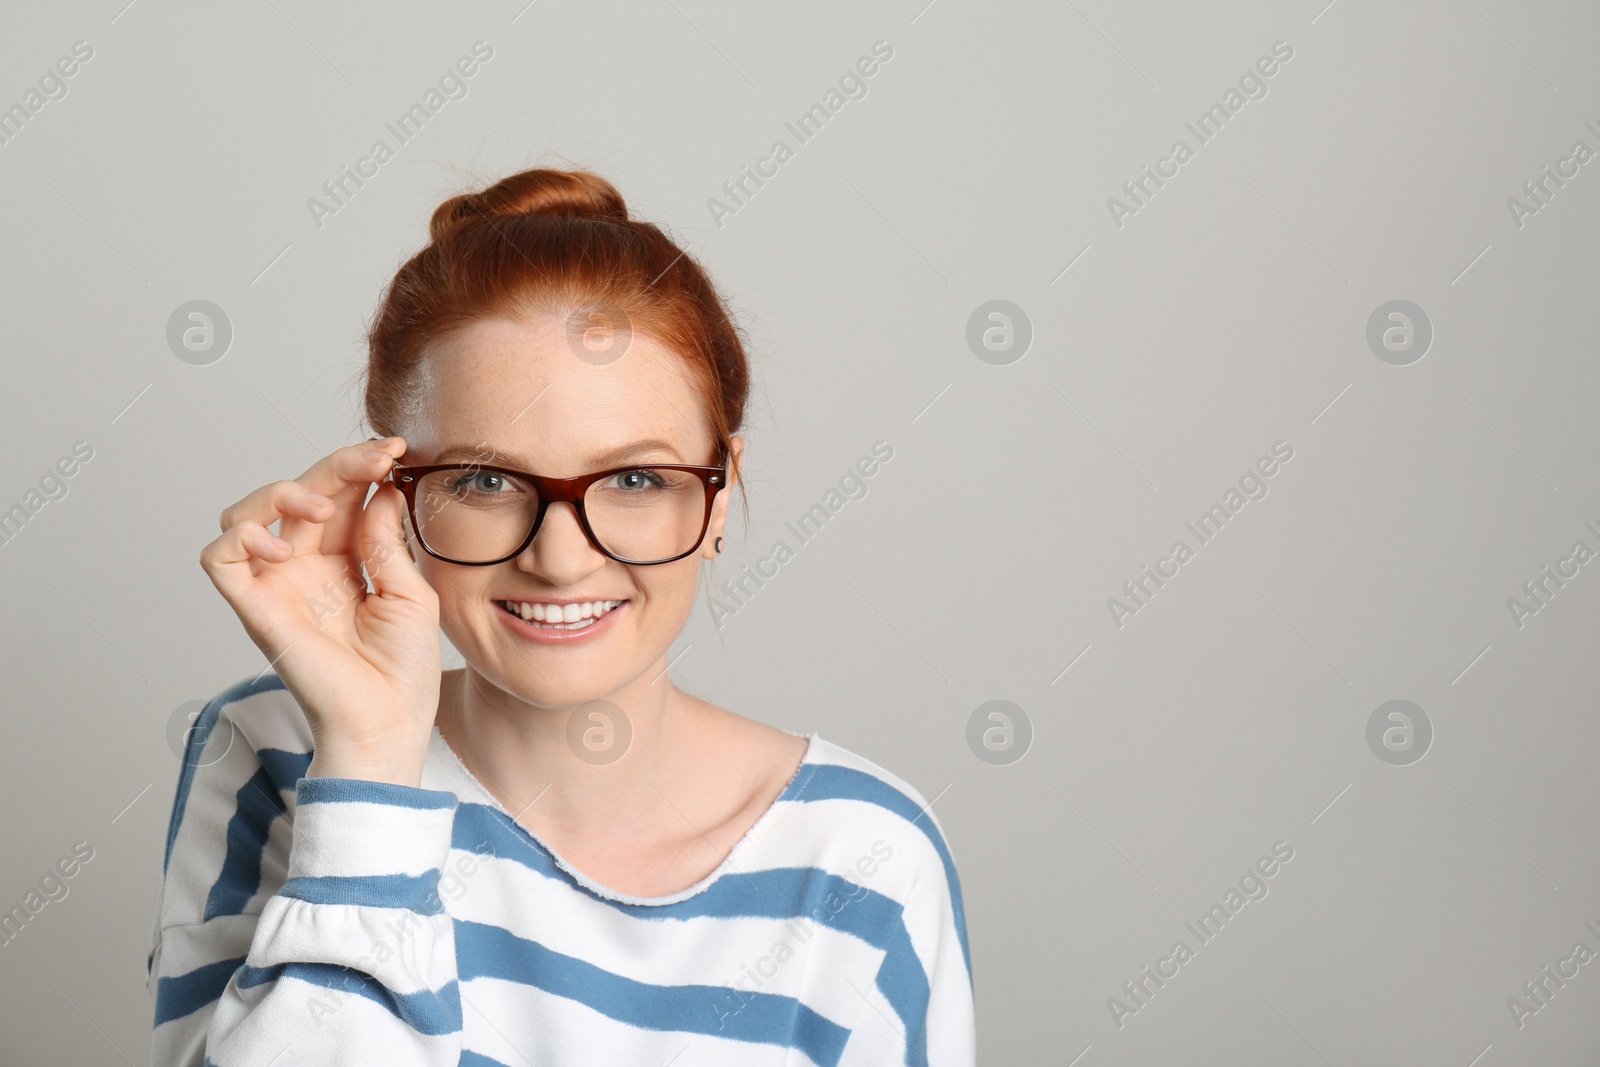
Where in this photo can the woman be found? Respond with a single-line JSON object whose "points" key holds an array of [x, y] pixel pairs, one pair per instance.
{"points": [[551, 855]]}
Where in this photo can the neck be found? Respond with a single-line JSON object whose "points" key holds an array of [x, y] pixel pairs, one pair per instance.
{"points": [[566, 777]]}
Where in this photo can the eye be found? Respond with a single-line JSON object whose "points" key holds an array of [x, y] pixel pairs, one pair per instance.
{"points": [[639, 480], [480, 483]]}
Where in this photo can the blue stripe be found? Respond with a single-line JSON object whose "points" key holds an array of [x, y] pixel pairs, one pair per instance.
{"points": [[360, 791], [260, 800], [477, 1059], [778, 893], [484, 951], [793, 892], [827, 781], [416, 892], [904, 985], [185, 994], [198, 736], [257, 803], [428, 1011], [284, 768]]}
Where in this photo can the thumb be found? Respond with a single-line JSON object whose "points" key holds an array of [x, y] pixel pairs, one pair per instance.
{"points": [[383, 548]]}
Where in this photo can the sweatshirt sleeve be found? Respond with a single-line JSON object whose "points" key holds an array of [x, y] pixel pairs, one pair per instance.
{"points": [[303, 932], [919, 1009], [950, 1026]]}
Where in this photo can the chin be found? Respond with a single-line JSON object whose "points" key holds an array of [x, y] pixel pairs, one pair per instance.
{"points": [[550, 683]]}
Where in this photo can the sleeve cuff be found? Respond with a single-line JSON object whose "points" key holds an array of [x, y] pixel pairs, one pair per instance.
{"points": [[359, 842]]}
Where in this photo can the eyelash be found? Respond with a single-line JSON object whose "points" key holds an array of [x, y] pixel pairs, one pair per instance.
{"points": [[655, 479]]}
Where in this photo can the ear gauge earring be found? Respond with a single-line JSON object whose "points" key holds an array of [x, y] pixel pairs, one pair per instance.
{"points": [[716, 546]]}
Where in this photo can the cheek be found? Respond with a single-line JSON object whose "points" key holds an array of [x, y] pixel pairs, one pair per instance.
{"points": [[462, 597], [668, 595]]}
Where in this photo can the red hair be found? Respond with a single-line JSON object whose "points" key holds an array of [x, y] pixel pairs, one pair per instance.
{"points": [[551, 243]]}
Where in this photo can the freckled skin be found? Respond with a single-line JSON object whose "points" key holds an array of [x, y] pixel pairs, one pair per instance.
{"points": [[695, 776]]}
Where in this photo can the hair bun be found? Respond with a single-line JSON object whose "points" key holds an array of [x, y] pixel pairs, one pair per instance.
{"points": [[574, 193]]}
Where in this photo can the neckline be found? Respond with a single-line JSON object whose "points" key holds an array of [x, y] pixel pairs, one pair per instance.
{"points": [[454, 765]]}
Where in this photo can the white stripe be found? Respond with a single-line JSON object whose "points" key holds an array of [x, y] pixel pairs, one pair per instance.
{"points": [[369, 839], [405, 951], [544, 1028], [707, 950], [272, 719], [289, 1014], [188, 948]]}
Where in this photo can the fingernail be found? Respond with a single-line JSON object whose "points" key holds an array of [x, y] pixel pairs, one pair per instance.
{"points": [[375, 454], [317, 498], [281, 543]]}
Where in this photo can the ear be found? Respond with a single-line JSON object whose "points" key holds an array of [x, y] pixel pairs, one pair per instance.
{"points": [[719, 506]]}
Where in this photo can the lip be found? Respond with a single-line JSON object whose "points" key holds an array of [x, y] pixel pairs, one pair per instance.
{"points": [[530, 631]]}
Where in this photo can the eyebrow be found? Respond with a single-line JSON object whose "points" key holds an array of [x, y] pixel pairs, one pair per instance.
{"points": [[613, 457]]}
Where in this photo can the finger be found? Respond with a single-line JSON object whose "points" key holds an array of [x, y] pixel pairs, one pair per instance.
{"points": [[383, 549], [226, 560], [350, 465], [346, 475], [299, 510]]}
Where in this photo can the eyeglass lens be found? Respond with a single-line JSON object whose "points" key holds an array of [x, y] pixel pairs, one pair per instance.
{"points": [[644, 514]]}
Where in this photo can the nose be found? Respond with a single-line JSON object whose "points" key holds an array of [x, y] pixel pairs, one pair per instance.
{"points": [[560, 550]]}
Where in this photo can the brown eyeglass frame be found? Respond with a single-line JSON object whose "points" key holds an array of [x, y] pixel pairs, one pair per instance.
{"points": [[555, 491]]}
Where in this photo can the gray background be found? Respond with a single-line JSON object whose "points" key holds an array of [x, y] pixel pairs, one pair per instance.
{"points": [[1228, 314]]}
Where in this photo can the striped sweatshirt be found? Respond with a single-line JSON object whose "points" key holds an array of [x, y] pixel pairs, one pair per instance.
{"points": [[346, 922]]}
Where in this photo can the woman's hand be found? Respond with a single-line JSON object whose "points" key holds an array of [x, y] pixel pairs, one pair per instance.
{"points": [[365, 667]]}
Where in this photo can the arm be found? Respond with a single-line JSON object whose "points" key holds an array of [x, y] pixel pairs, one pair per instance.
{"points": [[950, 1029], [326, 944], [919, 1009]]}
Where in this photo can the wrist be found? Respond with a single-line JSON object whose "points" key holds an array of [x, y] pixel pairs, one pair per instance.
{"points": [[386, 767]]}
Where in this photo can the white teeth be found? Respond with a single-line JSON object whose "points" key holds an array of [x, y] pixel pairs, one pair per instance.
{"points": [[556, 614]]}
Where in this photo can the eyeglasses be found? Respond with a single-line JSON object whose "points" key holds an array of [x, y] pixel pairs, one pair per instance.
{"points": [[478, 515]]}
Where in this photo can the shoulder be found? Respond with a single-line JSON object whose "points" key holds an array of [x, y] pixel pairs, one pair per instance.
{"points": [[228, 832], [848, 802], [833, 773], [880, 832], [240, 758], [260, 710]]}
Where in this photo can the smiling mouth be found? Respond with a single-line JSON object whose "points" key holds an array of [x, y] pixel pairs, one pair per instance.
{"points": [[538, 615]]}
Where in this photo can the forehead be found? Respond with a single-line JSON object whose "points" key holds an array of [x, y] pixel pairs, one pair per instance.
{"points": [[518, 385]]}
